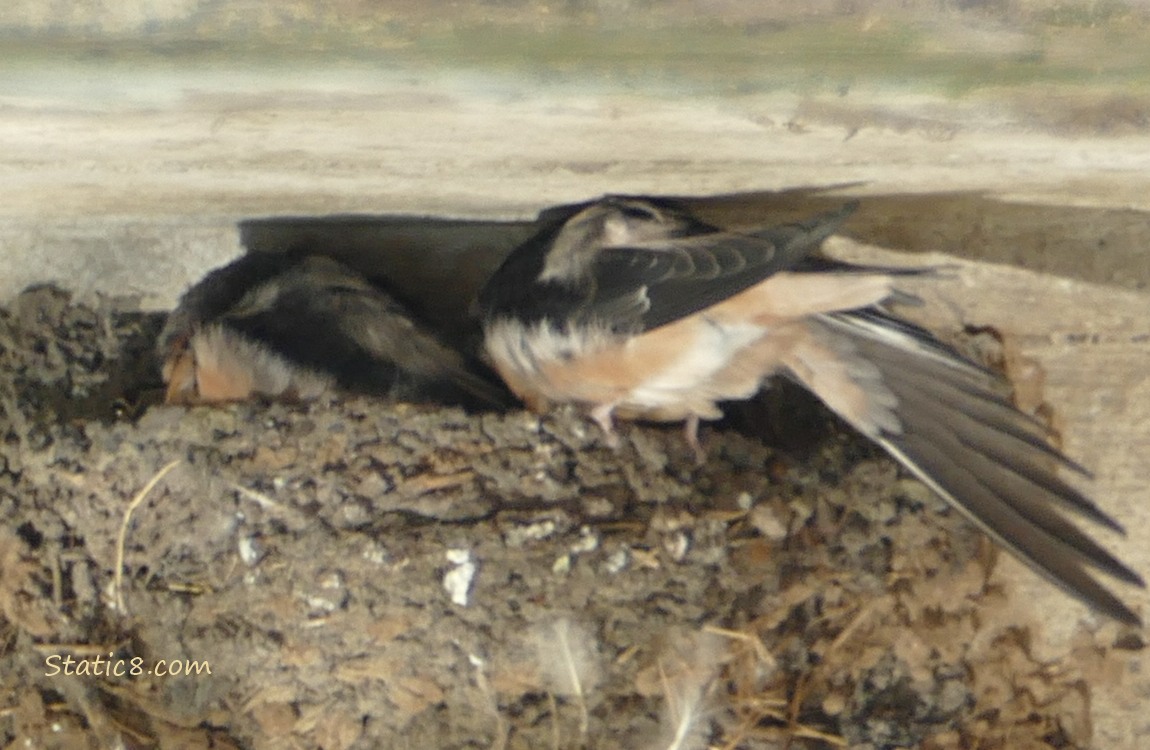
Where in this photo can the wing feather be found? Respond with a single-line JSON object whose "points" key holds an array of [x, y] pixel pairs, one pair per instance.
{"points": [[986, 458]]}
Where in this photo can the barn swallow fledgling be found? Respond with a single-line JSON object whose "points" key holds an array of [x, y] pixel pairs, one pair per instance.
{"points": [[283, 326], [638, 310]]}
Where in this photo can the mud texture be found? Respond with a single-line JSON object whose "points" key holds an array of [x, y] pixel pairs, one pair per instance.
{"points": [[365, 574]]}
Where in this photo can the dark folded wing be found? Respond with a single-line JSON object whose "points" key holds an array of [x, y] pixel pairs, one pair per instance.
{"points": [[328, 318], [962, 436], [649, 284]]}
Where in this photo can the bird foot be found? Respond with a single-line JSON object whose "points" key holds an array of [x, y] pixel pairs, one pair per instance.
{"points": [[602, 416], [691, 433]]}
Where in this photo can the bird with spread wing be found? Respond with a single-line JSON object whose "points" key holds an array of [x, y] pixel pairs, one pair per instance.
{"points": [[638, 310]]}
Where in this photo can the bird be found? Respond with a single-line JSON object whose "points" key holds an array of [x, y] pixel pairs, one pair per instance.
{"points": [[296, 327], [635, 309]]}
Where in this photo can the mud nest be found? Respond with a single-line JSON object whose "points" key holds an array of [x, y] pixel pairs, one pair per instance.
{"points": [[365, 574]]}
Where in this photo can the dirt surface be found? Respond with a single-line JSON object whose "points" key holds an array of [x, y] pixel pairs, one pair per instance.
{"points": [[365, 574]]}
